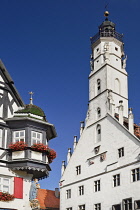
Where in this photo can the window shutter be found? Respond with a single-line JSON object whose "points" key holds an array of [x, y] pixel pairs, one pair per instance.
{"points": [[18, 187]]}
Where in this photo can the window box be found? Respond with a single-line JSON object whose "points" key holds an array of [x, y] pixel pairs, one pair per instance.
{"points": [[18, 154], [18, 146], [36, 155], [5, 196]]}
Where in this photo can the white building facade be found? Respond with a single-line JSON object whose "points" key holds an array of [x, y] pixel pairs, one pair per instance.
{"points": [[103, 172], [26, 124]]}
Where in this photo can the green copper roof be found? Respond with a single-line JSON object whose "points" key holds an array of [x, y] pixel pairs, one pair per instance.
{"points": [[32, 109]]}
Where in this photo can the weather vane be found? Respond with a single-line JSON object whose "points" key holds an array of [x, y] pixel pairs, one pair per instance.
{"points": [[31, 97]]}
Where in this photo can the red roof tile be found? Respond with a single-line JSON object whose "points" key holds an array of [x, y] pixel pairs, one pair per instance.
{"points": [[47, 199]]}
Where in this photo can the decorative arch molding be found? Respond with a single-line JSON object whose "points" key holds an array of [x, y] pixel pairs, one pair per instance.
{"points": [[117, 86]]}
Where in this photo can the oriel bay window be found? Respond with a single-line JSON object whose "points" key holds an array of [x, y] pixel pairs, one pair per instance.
{"points": [[19, 136], [36, 137]]}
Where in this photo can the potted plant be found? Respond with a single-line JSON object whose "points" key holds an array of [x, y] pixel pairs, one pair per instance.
{"points": [[5, 196], [39, 147], [18, 146], [51, 155]]}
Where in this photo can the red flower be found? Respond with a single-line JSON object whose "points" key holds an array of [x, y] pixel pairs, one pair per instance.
{"points": [[5, 196], [51, 155], [18, 146], [39, 147]]}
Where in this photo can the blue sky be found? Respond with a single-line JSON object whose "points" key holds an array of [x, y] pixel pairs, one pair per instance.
{"points": [[45, 46]]}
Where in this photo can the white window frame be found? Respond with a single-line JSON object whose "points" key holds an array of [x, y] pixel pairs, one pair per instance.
{"points": [[98, 133], [121, 152], [116, 180], [136, 206], [35, 139], [97, 185], [68, 193], [2, 178], [116, 205], [127, 203], [98, 86], [20, 137], [97, 206], [82, 207], [81, 190], [78, 170], [135, 174]]}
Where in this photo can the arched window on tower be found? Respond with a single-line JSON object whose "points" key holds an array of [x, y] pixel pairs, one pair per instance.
{"points": [[98, 86], [98, 133], [98, 112], [117, 86]]}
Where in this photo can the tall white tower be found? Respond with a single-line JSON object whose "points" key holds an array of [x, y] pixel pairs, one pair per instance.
{"points": [[103, 172], [108, 77]]}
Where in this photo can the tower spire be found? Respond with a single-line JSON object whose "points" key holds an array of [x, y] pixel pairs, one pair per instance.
{"points": [[31, 97]]}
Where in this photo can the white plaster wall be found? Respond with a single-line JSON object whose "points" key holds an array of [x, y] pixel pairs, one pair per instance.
{"points": [[93, 83], [108, 195], [114, 136], [19, 204]]}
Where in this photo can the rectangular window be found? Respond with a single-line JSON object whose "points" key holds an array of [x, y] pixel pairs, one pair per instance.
{"points": [[127, 204], [81, 207], [121, 152], [137, 204], [81, 190], [135, 174], [68, 193], [116, 180], [5, 184], [19, 136], [36, 137], [97, 186], [116, 207], [97, 206], [69, 208], [78, 170]]}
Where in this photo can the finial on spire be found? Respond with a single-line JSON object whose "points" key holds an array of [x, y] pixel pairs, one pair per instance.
{"points": [[31, 98], [106, 13]]}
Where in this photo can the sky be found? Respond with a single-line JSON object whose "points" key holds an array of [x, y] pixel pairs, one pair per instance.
{"points": [[45, 46]]}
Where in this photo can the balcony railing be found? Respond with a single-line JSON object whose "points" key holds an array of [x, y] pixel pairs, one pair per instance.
{"points": [[107, 34]]}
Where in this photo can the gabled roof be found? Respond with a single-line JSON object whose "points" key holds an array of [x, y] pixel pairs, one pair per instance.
{"points": [[47, 199], [10, 83]]}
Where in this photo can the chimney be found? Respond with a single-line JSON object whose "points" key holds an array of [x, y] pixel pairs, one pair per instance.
{"points": [[63, 167], [75, 142], [131, 121], [121, 112], [82, 127], [69, 154], [57, 194]]}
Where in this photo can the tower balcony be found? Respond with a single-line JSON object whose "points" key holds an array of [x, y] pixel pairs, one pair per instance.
{"points": [[30, 161], [108, 33]]}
